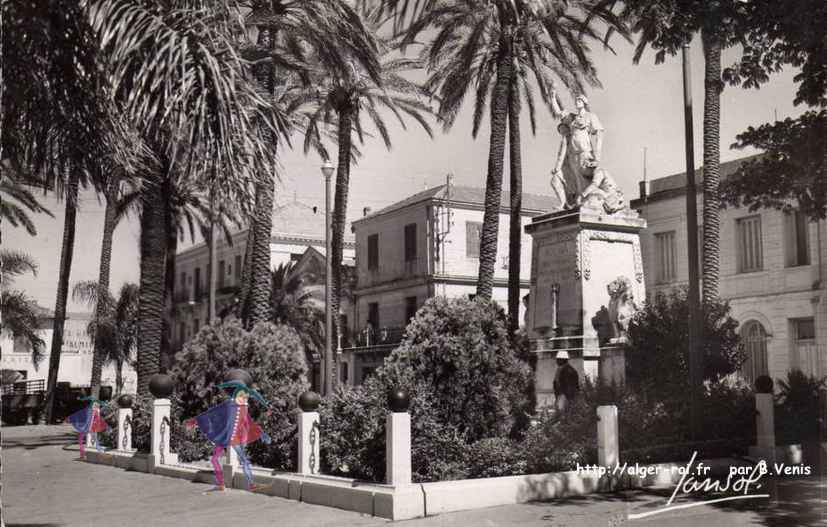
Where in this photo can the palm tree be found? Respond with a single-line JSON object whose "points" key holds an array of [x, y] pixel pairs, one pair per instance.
{"points": [[199, 100], [17, 202], [290, 33], [343, 101], [115, 325], [292, 304], [666, 26], [20, 313], [485, 45]]}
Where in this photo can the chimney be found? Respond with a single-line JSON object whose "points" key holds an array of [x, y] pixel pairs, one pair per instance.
{"points": [[315, 209], [365, 211], [643, 190]]}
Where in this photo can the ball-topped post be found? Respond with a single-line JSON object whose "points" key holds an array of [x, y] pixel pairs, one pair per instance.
{"points": [[161, 386], [398, 438], [309, 439]]}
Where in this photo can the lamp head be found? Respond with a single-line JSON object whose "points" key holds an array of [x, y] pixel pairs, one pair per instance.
{"points": [[327, 168]]}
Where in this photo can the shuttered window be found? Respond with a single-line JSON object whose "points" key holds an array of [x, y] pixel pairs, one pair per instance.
{"points": [[373, 251], [472, 239], [749, 251], [754, 341], [410, 242], [665, 257], [796, 237]]}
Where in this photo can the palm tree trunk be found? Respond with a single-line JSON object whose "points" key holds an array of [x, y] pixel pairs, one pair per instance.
{"points": [[712, 158], [246, 276], [167, 352], [154, 204], [62, 290], [259, 303], [118, 377], [515, 228], [346, 115], [109, 223], [494, 181]]}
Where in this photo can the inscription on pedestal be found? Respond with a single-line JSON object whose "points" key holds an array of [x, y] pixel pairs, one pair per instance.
{"points": [[556, 259]]}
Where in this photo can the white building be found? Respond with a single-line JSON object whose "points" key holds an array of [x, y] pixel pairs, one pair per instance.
{"points": [[771, 271], [420, 247], [296, 226], [75, 356]]}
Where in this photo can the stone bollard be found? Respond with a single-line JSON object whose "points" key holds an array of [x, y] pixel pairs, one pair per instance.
{"points": [[764, 420], [398, 440], [309, 439], [161, 431], [608, 450], [125, 429]]}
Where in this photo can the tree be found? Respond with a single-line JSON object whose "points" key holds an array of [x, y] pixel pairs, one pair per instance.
{"points": [[657, 358], [290, 304], [484, 46], [792, 166], [667, 26], [344, 99], [291, 36], [199, 99], [20, 314], [17, 202], [115, 324]]}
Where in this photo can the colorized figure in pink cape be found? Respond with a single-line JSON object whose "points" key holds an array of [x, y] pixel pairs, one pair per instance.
{"points": [[229, 425], [88, 421]]}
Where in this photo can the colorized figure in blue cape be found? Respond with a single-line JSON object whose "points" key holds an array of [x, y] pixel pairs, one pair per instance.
{"points": [[229, 425], [88, 421]]}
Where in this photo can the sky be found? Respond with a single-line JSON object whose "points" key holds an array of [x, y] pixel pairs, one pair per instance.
{"points": [[640, 106]]}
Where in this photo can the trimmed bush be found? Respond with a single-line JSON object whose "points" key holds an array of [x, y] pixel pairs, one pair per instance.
{"points": [[459, 352], [798, 411], [272, 355]]}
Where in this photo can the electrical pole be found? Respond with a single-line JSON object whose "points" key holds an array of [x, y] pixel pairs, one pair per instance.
{"points": [[695, 342]]}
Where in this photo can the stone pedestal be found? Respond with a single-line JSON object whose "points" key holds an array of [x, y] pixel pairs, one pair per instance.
{"points": [[608, 446], [161, 431], [398, 448], [576, 254], [124, 429], [764, 428], [309, 443]]}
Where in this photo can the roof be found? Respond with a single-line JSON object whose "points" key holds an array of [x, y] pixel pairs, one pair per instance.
{"points": [[299, 220], [678, 181], [473, 196]]}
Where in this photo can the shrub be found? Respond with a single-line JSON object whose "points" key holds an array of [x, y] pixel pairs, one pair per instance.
{"points": [[559, 443], [798, 415], [459, 352], [353, 436], [496, 456], [657, 358]]}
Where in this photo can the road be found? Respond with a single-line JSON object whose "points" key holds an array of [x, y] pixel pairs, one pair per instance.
{"points": [[45, 485]]}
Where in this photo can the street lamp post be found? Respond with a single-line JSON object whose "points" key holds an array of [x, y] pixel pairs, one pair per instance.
{"points": [[695, 336], [327, 372]]}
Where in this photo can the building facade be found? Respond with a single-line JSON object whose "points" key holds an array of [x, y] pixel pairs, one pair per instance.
{"points": [[75, 357], [771, 272], [420, 247], [296, 226]]}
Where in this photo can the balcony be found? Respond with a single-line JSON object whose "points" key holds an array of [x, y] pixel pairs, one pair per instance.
{"points": [[393, 270], [381, 337]]}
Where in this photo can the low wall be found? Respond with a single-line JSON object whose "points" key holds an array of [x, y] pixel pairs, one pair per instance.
{"points": [[419, 499]]}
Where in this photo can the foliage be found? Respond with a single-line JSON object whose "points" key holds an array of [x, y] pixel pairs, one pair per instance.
{"points": [[657, 358], [291, 304], [20, 314], [557, 443], [496, 456], [116, 331], [272, 354], [353, 435], [459, 351], [791, 171], [17, 202], [799, 411]]}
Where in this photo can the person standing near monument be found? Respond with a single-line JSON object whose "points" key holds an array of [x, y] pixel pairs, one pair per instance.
{"points": [[576, 154], [566, 382]]}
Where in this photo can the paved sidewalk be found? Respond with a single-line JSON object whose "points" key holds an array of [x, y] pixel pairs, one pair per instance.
{"points": [[44, 485]]}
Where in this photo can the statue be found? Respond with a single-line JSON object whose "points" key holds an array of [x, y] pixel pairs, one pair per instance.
{"points": [[576, 153], [577, 177], [622, 308]]}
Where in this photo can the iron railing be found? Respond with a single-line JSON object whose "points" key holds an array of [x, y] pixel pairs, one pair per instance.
{"points": [[24, 387]]}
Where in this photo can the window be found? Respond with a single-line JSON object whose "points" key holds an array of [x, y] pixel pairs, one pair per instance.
{"points": [[805, 353], [473, 229], [410, 308], [796, 239], [344, 373], [754, 341], [238, 269], [665, 257], [222, 271], [197, 286], [410, 242], [373, 252], [749, 251], [373, 315], [196, 325], [182, 336], [183, 281]]}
